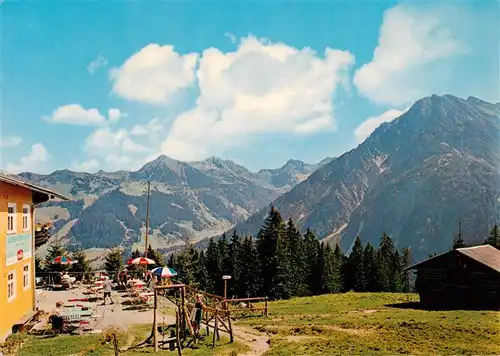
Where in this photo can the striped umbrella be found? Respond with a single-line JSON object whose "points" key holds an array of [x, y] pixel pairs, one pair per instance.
{"points": [[62, 260], [141, 261], [164, 272]]}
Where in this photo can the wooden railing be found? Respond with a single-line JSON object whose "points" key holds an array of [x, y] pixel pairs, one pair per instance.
{"points": [[245, 304]]}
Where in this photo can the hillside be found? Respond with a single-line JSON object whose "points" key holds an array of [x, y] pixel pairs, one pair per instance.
{"points": [[189, 200], [412, 178], [374, 324]]}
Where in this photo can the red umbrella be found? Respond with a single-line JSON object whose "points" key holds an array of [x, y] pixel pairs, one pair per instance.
{"points": [[63, 260], [141, 261]]}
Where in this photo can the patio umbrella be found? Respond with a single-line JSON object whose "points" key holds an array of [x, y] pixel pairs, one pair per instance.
{"points": [[164, 272], [62, 260], [141, 261]]}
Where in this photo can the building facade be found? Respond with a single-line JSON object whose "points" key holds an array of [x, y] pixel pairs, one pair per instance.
{"points": [[18, 199]]}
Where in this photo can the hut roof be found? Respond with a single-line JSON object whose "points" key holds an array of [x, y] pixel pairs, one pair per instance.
{"points": [[487, 255]]}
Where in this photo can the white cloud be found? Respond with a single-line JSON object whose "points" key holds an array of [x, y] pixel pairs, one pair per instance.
{"points": [[97, 63], [116, 149], [114, 115], [33, 162], [261, 87], [366, 128], [105, 140], [411, 42], [12, 141], [75, 114], [89, 166], [154, 74], [148, 129]]}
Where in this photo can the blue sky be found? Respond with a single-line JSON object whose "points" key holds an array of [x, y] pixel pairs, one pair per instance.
{"points": [[111, 85]]}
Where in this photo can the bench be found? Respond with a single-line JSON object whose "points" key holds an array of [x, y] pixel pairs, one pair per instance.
{"points": [[21, 323]]}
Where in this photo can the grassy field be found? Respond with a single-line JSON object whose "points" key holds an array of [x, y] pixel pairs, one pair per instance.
{"points": [[363, 323], [92, 345], [346, 324]]}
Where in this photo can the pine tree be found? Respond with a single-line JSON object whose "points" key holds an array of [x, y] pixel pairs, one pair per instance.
{"points": [[250, 284], [338, 270], [135, 254], [298, 284], [274, 278], [329, 269], [311, 251], [494, 237], [236, 267], [384, 261], [156, 256], [171, 260], [201, 274], [224, 263], [187, 265], [458, 241], [405, 263], [370, 268], [213, 264], [114, 261], [354, 269], [396, 273], [81, 266]]}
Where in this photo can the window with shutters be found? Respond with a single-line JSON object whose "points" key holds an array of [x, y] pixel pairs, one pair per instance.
{"points": [[11, 218], [26, 277], [26, 217], [11, 286]]}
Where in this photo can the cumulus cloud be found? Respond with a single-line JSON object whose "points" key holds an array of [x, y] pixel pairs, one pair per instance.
{"points": [[115, 148], [412, 42], [34, 161], [97, 63], [154, 74], [75, 114], [260, 87], [150, 128], [105, 139], [366, 128], [12, 141], [89, 166]]}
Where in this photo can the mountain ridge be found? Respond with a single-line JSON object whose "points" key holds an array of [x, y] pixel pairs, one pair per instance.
{"points": [[189, 201], [405, 155]]}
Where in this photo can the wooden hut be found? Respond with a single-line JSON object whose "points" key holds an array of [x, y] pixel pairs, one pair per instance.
{"points": [[464, 278]]}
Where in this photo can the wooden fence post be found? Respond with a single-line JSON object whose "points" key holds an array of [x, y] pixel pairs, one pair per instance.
{"points": [[231, 339], [155, 322], [215, 329]]}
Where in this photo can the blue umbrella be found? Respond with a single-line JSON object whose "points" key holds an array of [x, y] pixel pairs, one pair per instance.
{"points": [[164, 272]]}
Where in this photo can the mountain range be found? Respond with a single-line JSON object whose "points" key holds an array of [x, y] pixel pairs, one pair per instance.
{"points": [[189, 201], [413, 178]]}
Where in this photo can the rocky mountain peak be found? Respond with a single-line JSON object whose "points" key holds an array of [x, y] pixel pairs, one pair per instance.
{"points": [[221, 163], [412, 178]]}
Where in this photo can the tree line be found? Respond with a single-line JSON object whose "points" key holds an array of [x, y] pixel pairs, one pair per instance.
{"points": [[281, 263]]}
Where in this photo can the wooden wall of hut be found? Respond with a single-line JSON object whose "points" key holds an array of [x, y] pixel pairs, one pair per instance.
{"points": [[456, 281]]}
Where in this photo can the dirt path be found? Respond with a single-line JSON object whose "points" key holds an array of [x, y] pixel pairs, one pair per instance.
{"points": [[257, 342]]}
